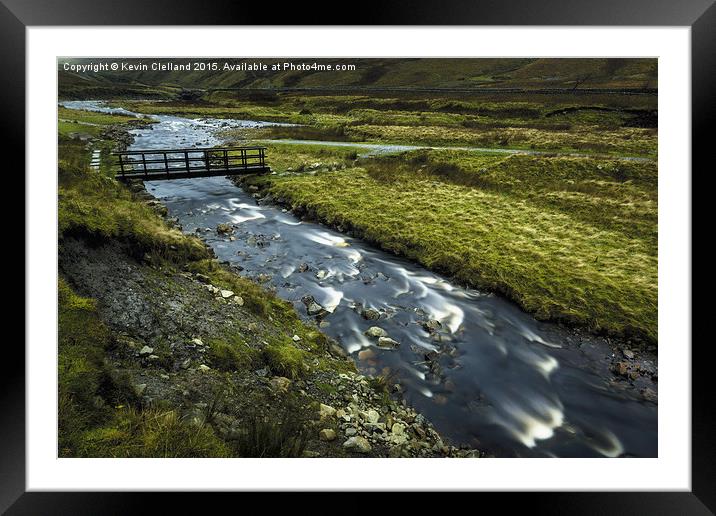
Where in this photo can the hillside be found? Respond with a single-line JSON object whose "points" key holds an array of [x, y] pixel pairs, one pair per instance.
{"points": [[462, 74]]}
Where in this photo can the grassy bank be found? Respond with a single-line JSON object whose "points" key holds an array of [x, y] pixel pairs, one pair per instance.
{"points": [[570, 239]]}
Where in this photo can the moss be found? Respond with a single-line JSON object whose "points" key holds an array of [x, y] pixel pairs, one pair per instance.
{"points": [[285, 359], [335, 365], [234, 355], [256, 298]]}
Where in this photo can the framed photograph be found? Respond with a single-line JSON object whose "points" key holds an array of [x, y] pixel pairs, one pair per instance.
{"points": [[432, 251]]}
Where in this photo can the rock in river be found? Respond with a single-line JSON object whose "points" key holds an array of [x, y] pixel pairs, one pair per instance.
{"points": [[314, 308], [224, 229], [431, 326], [376, 332], [370, 314], [387, 342]]}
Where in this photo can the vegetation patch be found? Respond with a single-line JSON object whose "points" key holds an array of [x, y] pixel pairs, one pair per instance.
{"points": [[570, 239]]}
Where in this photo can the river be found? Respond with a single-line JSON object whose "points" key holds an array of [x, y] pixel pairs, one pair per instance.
{"points": [[488, 375]]}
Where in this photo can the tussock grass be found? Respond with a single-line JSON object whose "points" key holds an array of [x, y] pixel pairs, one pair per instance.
{"points": [[93, 205], [283, 435], [570, 239]]}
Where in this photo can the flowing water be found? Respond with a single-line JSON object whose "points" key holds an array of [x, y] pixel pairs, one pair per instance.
{"points": [[488, 375]]}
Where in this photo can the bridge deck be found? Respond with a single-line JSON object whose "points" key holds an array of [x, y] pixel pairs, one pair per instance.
{"points": [[160, 164]]}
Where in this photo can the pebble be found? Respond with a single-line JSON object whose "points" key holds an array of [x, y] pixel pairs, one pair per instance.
{"points": [[146, 350], [326, 411], [372, 416], [280, 383], [327, 434], [358, 443]]}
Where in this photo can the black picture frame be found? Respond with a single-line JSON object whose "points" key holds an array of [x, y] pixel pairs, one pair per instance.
{"points": [[699, 15]]}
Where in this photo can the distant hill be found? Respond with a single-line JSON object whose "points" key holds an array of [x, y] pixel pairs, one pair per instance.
{"points": [[462, 74]]}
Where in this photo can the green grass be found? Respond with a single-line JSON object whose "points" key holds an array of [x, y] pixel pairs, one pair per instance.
{"points": [[571, 239], [96, 206]]}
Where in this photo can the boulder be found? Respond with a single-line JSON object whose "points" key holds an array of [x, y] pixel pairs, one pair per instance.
{"points": [[372, 416], [140, 388]]}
